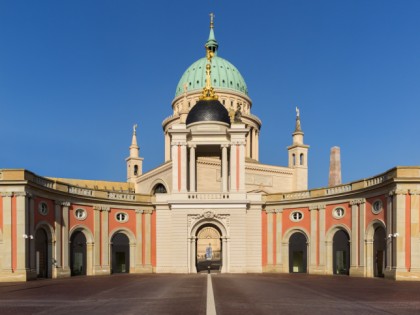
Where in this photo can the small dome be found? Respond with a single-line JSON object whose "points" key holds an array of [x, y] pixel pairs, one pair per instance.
{"points": [[208, 110]]}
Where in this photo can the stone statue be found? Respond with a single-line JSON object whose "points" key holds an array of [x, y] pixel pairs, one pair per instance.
{"points": [[297, 112], [134, 128], [238, 115]]}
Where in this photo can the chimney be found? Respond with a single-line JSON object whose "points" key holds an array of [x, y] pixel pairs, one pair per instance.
{"points": [[335, 167]]}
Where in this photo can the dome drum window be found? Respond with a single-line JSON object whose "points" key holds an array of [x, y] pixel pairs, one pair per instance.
{"points": [[338, 213], [377, 207], [43, 208], [296, 216], [80, 214], [121, 217]]}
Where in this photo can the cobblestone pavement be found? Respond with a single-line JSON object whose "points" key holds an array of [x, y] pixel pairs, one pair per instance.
{"points": [[233, 294]]}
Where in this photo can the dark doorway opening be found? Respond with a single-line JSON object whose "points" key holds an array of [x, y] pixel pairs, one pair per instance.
{"points": [[298, 253], [209, 249], [41, 252], [341, 253], [379, 251], [78, 254], [120, 253]]}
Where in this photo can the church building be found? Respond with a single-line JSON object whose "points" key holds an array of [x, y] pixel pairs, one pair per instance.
{"points": [[212, 205]]}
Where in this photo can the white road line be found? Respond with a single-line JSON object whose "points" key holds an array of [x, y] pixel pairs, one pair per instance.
{"points": [[211, 307]]}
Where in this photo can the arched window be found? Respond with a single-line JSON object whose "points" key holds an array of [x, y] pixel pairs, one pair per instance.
{"points": [[301, 159], [136, 170], [294, 159], [159, 189]]}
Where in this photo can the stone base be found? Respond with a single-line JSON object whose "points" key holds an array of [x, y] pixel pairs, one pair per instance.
{"points": [[142, 269], [273, 268], [13, 276], [317, 270], [61, 272], [359, 271], [101, 270]]}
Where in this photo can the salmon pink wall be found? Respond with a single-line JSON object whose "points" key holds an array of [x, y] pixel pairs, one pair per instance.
{"points": [[154, 238], [49, 217], [88, 222], [264, 237], [130, 224], [330, 221], [370, 216], [304, 224]]}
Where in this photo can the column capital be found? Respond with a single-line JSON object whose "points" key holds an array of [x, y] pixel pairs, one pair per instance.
{"points": [[414, 192], [178, 143], [224, 146], [6, 194], [270, 210], [357, 202], [139, 211], [20, 194], [237, 142], [398, 192], [102, 208], [147, 211], [192, 145], [317, 207], [279, 210]]}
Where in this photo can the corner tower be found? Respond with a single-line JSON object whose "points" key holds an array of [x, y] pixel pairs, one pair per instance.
{"points": [[134, 162], [298, 157]]}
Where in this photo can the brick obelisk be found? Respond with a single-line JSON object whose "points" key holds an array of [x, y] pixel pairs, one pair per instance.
{"points": [[335, 167]]}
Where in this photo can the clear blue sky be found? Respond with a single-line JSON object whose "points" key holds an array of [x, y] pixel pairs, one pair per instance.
{"points": [[76, 75]]}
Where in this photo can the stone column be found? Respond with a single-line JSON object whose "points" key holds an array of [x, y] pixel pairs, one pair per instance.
{"points": [[415, 231], [192, 168], [148, 238], [58, 241], [362, 228], [322, 244], [242, 166], [248, 145], [7, 232], [32, 255], [389, 231], [225, 249], [139, 240], [106, 258], [270, 236], [175, 170], [89, 259], [313, 239], [400, 226], [279, 238], [224, 169], [233, 154], [167, 147], [97, 237], [193, 254], [257, 146], [21, 229], [354, 248], [184, 167], [65, 237]]}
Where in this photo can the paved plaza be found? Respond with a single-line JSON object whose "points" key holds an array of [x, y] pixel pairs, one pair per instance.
{"points": [[191, 294]]}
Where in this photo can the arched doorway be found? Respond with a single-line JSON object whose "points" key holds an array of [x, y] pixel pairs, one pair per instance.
{"points": [[208, 249], [341, 253], [78, 254], [298, 253], [379, 251], [120, 251], [41, 251]]}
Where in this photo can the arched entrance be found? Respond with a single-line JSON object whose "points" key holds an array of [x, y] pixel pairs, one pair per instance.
{"points": [[298, 253], [41, 251], [120, 251], [341, 253], [78, 254], [379, 251], [208, 248]]}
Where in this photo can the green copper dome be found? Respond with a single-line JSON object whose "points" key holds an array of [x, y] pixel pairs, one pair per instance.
{"points": [[224, 75]]}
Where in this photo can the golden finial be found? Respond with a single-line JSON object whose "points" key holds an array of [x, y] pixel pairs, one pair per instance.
{"points": [[212, 20], [208, 91]]}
